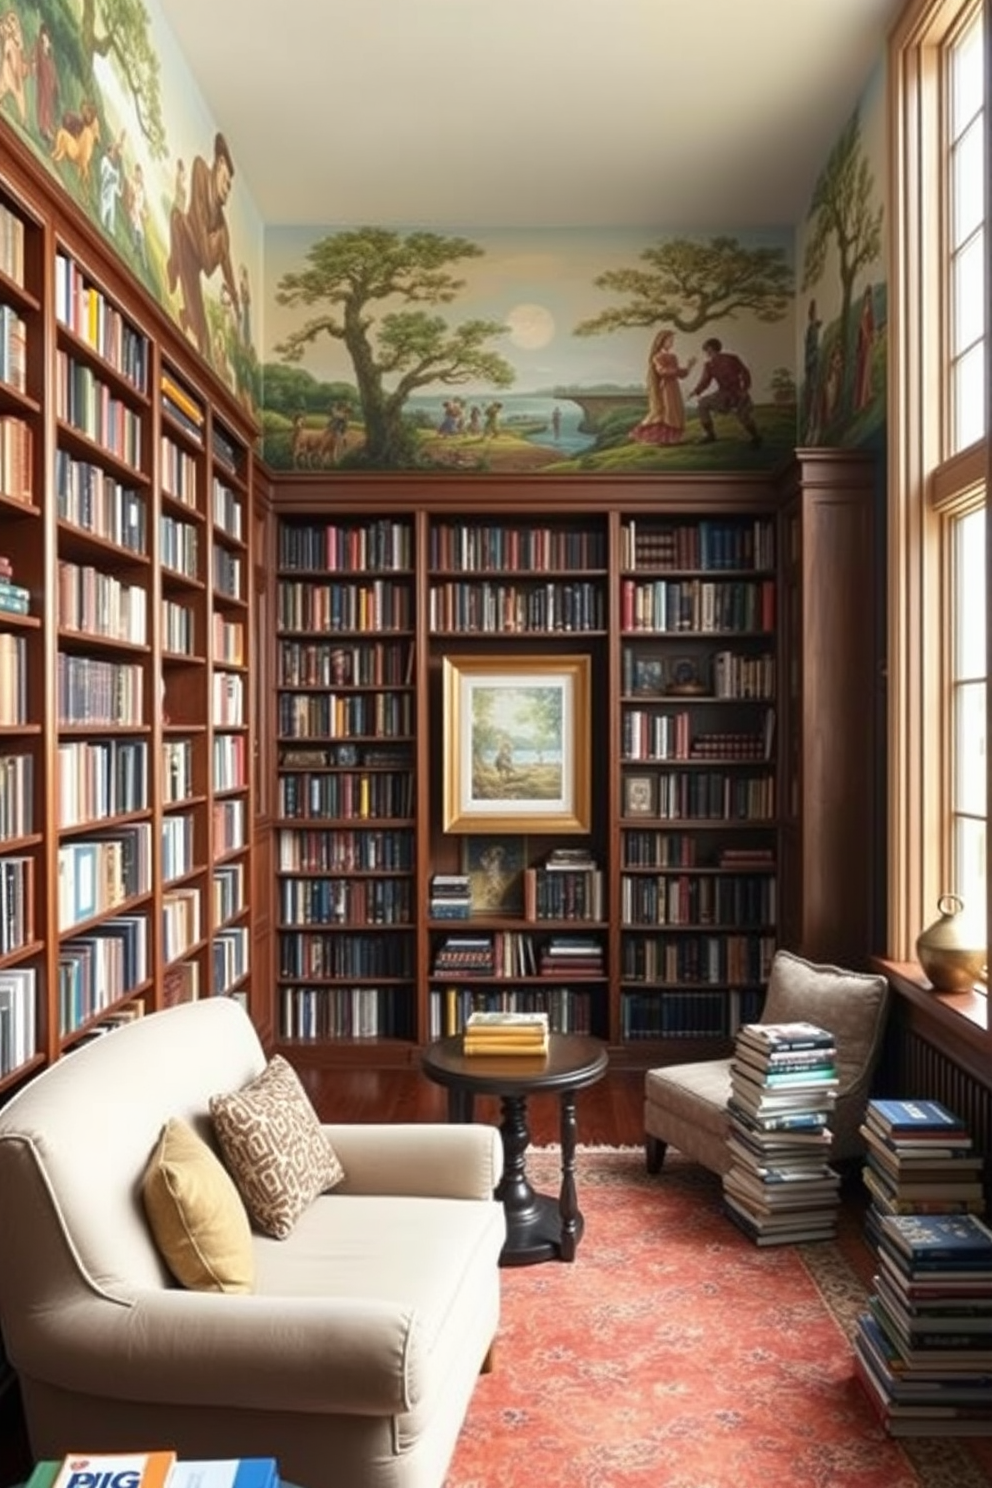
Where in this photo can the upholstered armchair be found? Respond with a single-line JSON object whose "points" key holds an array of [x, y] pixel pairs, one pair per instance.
{"points": [[685, 1105], [348, 1349]]}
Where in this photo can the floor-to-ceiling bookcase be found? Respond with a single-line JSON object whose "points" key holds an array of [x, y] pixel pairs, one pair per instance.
{"points": [[126, 709]]}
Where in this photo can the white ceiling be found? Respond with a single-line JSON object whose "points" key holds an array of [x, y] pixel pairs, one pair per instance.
{"points": [[681, 114]]}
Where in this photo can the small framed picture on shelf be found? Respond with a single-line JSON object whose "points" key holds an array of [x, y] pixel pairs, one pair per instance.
{"points": [[639, 795], [649, 675], [685, 680], [495, 869]]}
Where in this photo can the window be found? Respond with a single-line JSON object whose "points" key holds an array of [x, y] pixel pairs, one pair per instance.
{"points": [[937, 556], [966, 812], [965, 150]]}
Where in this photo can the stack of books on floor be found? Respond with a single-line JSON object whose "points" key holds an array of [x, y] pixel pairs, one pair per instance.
{"points": [[923, 1350], [919, 1159], [780, 1187], [506, 1033]]}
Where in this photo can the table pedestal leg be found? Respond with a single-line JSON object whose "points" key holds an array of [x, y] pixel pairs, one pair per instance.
{"points": [[568, 1203], [538, 1227]]}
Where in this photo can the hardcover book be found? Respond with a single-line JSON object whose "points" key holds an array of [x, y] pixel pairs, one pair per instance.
{"points": [[914, 1117], [791, 1035], [940, 1237]]}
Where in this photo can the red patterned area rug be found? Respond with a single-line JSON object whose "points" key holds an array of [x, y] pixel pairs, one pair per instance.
{"points": [[675, 1353]]}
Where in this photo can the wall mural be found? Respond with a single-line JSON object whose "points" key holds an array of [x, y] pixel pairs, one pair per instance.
{"points": [[515, 350], [100, 92], [843, 302], [555, 350]]}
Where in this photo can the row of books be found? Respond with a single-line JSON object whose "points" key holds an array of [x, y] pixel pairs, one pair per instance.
{"points": [[327, 547], [707, 544], [497, 547], [569, 1009], [742, 900], [488, 607], [780, 1187], [694, 606], [510, 953], [87, 312], [653, 737]]}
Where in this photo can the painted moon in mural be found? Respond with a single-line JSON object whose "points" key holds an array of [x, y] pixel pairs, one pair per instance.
{"points": [[530, 325]]}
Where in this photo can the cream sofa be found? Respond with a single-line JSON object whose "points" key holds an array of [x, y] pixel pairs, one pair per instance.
{"points": [[354, 1359]]}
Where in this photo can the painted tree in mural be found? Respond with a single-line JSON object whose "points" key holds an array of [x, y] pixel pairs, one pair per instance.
{"points": [[119, 31], [845, 213], [689, 284], [349, 273]]}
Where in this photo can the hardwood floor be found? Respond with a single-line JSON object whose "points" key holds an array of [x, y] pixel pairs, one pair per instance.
{"points": [[610, 1113]]}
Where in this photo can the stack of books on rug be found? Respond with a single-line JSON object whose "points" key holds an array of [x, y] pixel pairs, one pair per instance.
{"points": [[919, 1159], [506, 1033], [780, 1186], [923, 1350]]}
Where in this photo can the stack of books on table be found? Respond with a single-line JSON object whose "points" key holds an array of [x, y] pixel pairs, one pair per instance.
{"points": [[919, 1159], [506, 1033], [156, 1469], [923, 1350], [780, 1186]]}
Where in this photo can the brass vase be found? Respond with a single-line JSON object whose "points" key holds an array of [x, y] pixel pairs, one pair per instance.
{"points": [[948, 961]]}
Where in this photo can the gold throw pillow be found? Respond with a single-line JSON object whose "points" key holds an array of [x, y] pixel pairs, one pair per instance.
{"points": [[196, 1214]]}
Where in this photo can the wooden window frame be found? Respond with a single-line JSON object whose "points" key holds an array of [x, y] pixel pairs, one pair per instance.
{"points": [[925, 485]]}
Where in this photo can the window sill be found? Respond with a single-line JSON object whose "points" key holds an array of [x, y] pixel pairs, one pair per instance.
{"points": [[963, 1013]]}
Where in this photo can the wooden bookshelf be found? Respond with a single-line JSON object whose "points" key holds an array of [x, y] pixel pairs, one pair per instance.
{"points": [[699, 772], [126, 715], [686, 747], [345, 844]]}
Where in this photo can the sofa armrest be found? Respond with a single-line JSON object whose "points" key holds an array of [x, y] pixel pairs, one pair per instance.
{"points": [[427, 1159], [355, 1356]]}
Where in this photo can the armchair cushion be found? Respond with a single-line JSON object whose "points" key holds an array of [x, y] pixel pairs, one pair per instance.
{"points": [[848, 1004], [196, 1214], [274, 1146]]}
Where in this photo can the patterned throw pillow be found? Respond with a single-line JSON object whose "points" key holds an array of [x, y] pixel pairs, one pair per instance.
{"points": [[273, 1144]]}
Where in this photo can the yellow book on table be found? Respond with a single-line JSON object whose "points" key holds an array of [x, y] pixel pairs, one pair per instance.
{"points": [[491, 1045]]}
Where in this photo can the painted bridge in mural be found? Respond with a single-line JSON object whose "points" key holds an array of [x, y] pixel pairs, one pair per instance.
{"points": [[597, 407]]}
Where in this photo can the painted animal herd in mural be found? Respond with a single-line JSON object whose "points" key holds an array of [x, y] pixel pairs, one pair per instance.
{"points": [[382, 304]]}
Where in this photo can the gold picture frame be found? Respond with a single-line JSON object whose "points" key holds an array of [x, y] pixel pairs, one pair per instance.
{"points": [[516, 744]]}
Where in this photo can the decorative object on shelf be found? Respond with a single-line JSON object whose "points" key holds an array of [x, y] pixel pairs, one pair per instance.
{"points": [[944, 953], [686, 681], [516, 743], [494, 866], [639, 795]]}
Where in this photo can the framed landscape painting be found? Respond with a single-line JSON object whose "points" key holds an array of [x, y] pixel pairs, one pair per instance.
{"points": [[516, 744]]}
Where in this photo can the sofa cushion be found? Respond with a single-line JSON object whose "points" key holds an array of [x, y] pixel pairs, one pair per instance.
{"points": [[196, 1214], [274, 1146], [849, 1004]]}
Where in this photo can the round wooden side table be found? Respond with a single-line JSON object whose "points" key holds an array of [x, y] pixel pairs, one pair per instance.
{"points": [[538, 1227]]}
